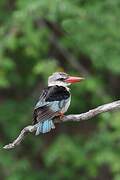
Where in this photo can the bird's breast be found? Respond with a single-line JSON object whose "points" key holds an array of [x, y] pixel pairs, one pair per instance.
{"points": [[66, 105]]}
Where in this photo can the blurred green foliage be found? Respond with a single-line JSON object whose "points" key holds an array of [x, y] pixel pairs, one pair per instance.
{"points": [[37, 38]]}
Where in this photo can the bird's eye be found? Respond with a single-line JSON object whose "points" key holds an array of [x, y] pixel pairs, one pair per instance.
{"points": [[61, 79]]}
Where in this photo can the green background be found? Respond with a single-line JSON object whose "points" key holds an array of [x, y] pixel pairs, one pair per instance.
{"points": [[80, 37]]}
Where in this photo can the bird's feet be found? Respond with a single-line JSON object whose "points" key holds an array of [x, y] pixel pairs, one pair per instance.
{"points": [[61, 115]]}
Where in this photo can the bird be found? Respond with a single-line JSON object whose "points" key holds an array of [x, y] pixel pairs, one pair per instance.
{"points": [[54, 101]]}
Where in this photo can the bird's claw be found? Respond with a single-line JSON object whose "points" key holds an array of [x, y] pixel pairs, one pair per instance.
{"points": [[61, 115]]}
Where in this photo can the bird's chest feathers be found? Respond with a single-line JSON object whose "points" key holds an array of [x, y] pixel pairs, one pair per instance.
{"points": [[65, 105]]}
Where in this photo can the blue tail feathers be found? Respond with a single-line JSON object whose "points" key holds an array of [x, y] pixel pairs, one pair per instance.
{"points": [[44, 127]]}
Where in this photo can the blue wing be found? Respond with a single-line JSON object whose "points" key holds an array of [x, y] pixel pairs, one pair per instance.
{"points": [[48, 106]]}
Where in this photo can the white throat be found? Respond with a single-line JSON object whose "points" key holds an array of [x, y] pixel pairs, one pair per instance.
{"points": [[58, 83]]}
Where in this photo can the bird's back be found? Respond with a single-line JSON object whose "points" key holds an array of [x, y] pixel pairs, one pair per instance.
{"points": [[54, 99]]}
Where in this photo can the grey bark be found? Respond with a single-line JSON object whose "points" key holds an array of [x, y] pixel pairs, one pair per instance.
{"points": [[73, 117]]}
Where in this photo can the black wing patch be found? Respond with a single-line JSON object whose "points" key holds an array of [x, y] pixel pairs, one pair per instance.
{"points": [[49, 94], [57, 93]]}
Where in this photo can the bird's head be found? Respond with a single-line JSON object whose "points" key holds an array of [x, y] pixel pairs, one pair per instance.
{"points": [[62, 79]]}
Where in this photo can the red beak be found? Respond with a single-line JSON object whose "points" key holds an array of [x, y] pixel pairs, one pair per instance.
{"points": [[73, 79]]}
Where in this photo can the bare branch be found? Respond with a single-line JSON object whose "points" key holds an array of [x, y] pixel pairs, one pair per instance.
{"points": [[73, 117], [19, 139], [93, 112]]}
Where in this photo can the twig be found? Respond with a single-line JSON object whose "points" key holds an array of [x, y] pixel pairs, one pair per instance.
{"points": [[73, 117]]}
